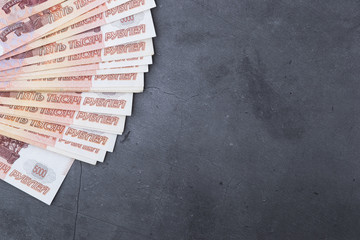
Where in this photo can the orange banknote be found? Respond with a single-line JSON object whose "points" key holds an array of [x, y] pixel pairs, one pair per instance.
{"points": [[95, 121], [122, 52], [40, 177], [37, 25], [110, 15], [122, 83], [95, 139], [12, 11], [111, 103], [83, 70], [147, 60], [80, 152], [139, 27]]}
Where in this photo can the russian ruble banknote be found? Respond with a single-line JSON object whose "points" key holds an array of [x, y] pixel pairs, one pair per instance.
{"points": [[94, 121], [13, 11], [33, 170], [140, 27], [106, 103], [68, 74], [123, 83], [74, 150], [37, 25], [123, 12]]}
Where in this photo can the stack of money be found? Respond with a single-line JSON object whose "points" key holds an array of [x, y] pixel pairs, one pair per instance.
{"points": [[68, 73]]}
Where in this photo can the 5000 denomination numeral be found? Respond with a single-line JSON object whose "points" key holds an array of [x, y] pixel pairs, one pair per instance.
{"points": [[39, 171]]}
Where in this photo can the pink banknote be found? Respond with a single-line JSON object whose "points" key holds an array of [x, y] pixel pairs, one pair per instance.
{"points": [[83, 70], [36, 171], [66, 148], [95, 121], [122, 83], [110, 15], [95, 139], [119, 52], [147, 60], [111, 103], [137, 28], [25, 31], [12, 11]]}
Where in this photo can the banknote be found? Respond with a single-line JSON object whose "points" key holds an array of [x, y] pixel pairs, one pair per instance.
{"points": [[105, 7], [112, 7], [109, 4], [127, 82], [50, 143], [78, 151], [122, 52], [106, 103], [79, 68], [13, 11], [134, 89], [35, 171], [37, 25], [81, 152], [95, 121], [124, 89], [91, 138], [122, 12], [139, 27], [84, 70], [136, 61], [80, 20]]}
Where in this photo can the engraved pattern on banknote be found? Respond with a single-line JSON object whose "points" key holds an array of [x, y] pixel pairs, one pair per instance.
{"points": [[10, 148], [35, 22], [21, 3]]}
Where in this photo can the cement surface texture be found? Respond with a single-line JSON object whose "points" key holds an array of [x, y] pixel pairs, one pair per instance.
{"points": [[248, 129]]}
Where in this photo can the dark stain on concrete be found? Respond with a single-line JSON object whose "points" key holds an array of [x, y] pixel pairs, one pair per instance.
{"points": [[282, 120]]}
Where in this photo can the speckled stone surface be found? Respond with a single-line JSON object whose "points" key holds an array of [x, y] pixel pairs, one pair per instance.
{"points": [[248, 129]]}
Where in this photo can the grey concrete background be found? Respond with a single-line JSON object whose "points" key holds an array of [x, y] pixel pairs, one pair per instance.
{"points": [[248, 129]]}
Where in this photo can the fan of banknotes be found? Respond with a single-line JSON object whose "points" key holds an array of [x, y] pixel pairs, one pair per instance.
{"points": [[68, 72]]}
